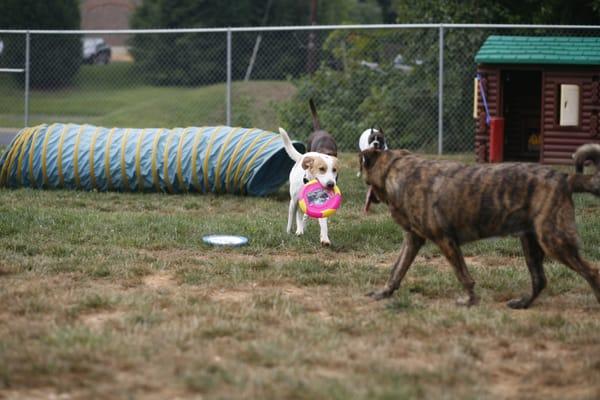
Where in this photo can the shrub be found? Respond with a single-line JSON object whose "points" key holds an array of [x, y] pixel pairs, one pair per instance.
{"points": [[400, 97]]}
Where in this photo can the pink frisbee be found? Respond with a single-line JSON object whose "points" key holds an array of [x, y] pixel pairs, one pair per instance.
{"points": [[317, 201]]}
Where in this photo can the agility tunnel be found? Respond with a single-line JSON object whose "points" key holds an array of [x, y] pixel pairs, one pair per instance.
{"points": [[217, 159]]}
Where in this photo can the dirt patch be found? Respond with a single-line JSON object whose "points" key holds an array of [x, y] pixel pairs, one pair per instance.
{"points": [[97, 321], [161, 280], [290, 290], [34, 394], [310, 300], [246, 292], [231, 295], [538, 370]]}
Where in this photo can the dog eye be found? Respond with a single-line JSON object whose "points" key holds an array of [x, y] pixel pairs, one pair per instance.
{"points": [[322, 169], [334, 170]]}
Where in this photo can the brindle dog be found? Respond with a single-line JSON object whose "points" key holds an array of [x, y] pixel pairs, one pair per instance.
{"points": [[451, 204]]}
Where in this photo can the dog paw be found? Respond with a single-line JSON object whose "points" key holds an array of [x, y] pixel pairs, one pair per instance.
{"points": [[518, 304], [325, 242], [299, 233], [379, 294], [467, 301]]}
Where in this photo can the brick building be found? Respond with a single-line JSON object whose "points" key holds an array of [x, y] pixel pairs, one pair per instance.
{"points": [[108, 14]]}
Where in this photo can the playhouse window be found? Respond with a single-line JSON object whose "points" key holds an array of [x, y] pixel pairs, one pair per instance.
{"points": [[569, 105]]}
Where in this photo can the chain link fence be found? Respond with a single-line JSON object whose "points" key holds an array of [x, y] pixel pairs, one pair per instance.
{"points": [[359, 77]]}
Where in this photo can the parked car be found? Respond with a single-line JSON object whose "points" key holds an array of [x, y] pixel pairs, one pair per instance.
{"points": [[96, 51]]}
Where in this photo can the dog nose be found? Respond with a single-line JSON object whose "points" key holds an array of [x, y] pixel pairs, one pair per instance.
{"points": [[330, 184]]}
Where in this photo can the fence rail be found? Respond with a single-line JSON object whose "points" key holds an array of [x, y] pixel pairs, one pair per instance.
{"points": [[301, 28], [413, 80]]}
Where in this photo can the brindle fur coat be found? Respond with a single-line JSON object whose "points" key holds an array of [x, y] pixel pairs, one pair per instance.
{"points": [[451, 204]]}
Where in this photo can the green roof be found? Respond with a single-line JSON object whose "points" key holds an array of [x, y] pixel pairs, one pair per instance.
{"points": [[539, 50]]}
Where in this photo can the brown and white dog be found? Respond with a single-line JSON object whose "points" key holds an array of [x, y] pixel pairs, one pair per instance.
{"points": [[320, 140], [450, 204], [309, 166]]}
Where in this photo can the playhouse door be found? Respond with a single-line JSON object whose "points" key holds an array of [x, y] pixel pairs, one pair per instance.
{"points": [[521, 107]]}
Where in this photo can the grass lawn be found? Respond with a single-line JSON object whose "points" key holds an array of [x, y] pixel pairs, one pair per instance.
{"points": [[110, 295], [113, 95]]}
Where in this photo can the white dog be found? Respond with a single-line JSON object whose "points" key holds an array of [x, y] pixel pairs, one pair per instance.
{"points": [[372, 138], [311, 165]]}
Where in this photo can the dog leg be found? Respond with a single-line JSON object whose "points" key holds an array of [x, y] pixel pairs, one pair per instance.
{"points": [[410, 247], [368, 200], [324, 232], [559, 239], [583, 268], [534, 256], [569, 255], [291, 214], [452, 252], [299, 222]]}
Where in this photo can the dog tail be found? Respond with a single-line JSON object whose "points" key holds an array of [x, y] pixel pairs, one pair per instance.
{"points": [[315, 116], [586, 183], [289, 147]]}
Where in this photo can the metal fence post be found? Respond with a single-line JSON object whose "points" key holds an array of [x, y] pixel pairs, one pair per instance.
{"points": [[228, 100], [441, 92], [27, 51]]}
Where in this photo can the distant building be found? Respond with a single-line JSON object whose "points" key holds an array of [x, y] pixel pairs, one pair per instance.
{"points": [[108, 14]]}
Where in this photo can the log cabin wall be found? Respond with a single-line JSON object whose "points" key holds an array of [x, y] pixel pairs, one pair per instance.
{"points": [[560, 142]]}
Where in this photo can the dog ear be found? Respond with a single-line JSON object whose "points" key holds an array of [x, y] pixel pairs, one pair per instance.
{"points": [[368, 158], [380, 130], [307, 162]]}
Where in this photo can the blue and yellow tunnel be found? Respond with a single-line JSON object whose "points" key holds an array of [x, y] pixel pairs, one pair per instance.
{"points": [[217, 159]]}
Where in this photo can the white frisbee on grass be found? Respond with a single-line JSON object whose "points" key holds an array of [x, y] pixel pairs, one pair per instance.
{"points": [[225, 240]]}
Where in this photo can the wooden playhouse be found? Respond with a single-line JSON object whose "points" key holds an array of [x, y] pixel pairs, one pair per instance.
{"points": [[546, 90]]}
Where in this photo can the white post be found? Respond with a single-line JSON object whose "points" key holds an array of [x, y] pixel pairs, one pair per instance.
{"points": [[441, 92], [27, 51], [228, 100]]}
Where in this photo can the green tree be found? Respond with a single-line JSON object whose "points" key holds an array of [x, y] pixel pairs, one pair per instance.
{"points": [[461, 44], [54, 59], [404, 100], [573, 12], [194, 59]]}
